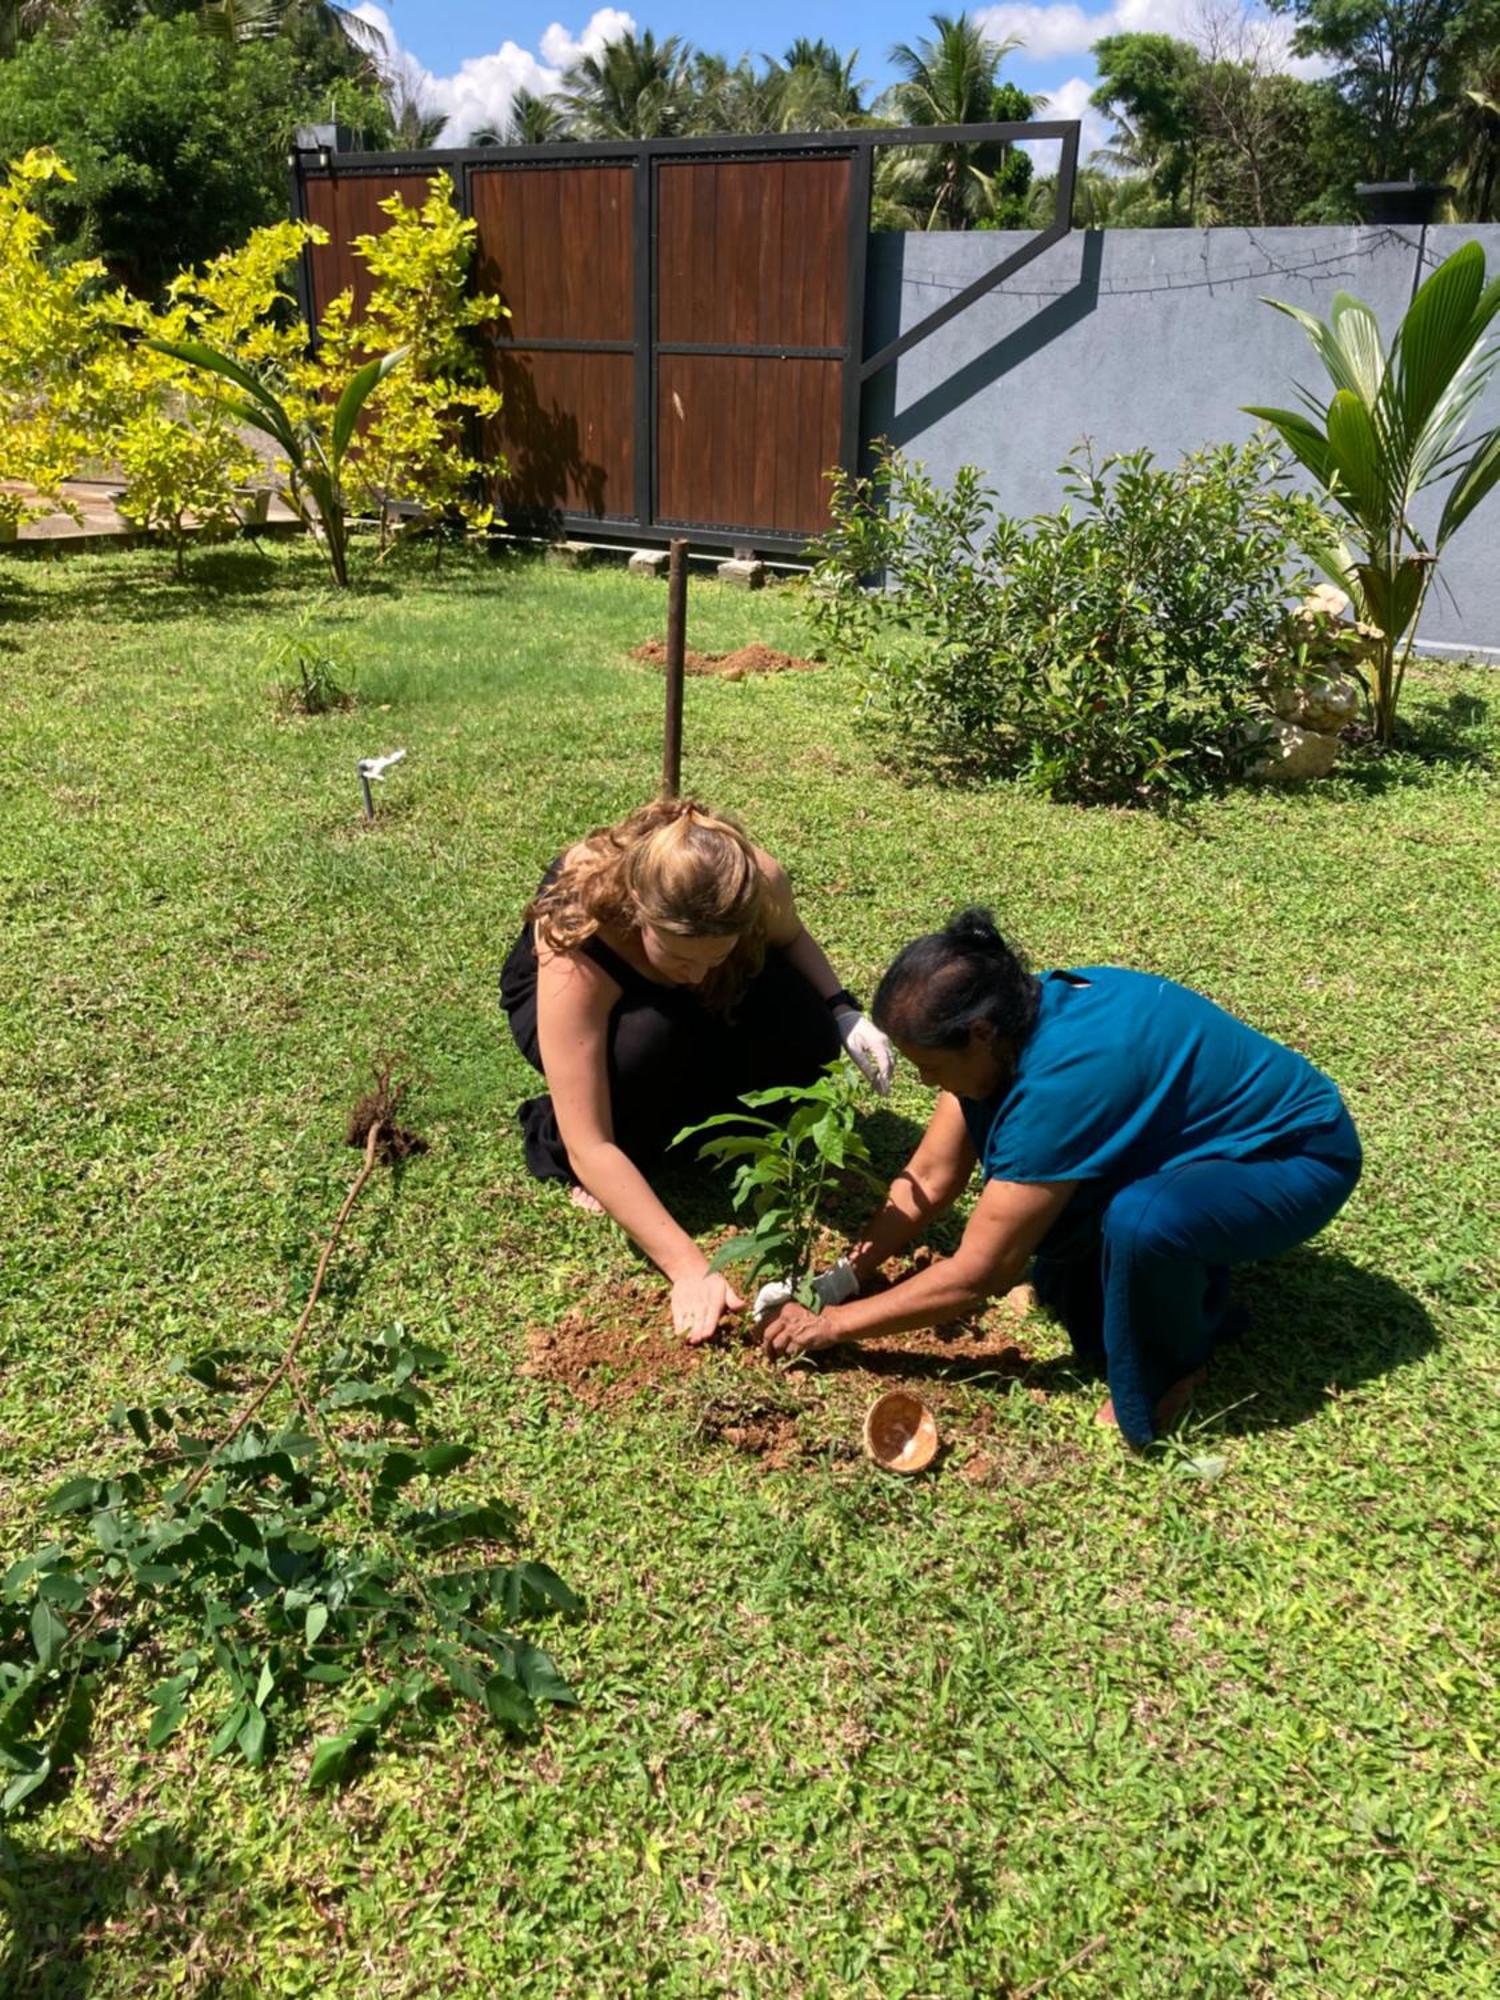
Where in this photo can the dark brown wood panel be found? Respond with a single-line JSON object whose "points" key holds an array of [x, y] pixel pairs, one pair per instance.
{"points": [[745, 442], [557, 244], [566, 430], [748, 251], [753, 253], [347, 206]]}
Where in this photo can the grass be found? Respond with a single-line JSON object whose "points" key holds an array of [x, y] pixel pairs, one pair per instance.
{"points": [[1096, 1728]]}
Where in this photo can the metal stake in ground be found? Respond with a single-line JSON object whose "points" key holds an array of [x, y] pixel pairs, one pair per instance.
{"points": [[671, 763]]}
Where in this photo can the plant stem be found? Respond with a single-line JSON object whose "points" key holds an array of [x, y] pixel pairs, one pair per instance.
{"points": [[282, 1367]]}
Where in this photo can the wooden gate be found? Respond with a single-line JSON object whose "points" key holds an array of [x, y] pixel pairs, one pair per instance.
{"points": [[684, 347]]}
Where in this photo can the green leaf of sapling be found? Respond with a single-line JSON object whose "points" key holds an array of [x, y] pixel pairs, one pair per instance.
{"points": [[49, 1633]]}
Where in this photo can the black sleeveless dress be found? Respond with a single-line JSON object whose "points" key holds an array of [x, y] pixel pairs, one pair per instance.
{"points": [[671, 1060]]}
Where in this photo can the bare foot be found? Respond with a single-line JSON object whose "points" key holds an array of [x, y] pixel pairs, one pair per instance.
{"points": [[1177, 1398], [1168, 1410], [581, 1198]]}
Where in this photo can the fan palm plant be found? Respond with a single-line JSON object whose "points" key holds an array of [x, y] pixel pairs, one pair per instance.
{"points": [[1394, 426]]}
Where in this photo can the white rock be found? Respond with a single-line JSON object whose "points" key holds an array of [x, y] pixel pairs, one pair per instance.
{"points": [[1293, 754], [1325, 703], [1328, 600]]}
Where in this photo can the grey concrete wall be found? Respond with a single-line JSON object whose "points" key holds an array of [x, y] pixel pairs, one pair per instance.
{"points": [[1144, 337]]}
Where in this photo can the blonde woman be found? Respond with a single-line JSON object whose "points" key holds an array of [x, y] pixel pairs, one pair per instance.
{"points": [[662, 971]]}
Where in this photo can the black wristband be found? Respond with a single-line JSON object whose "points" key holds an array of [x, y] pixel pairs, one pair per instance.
{"points": [[843, 998]]}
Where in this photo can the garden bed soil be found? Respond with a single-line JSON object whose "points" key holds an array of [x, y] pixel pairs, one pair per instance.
{"points": [[752, 659], [609, 1353]]}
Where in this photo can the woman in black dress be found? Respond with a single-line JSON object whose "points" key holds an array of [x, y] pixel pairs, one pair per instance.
{"points": [[662, 972]]}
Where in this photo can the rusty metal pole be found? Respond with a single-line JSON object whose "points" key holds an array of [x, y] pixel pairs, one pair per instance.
{"points": [[671, 763]]}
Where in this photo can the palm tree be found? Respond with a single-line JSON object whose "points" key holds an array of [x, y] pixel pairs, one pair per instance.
{"points": [[819, 85], [634, 88], [414, 125], [326, 20], [531, 121], [20, 19], [950, 80], [812, 89], [729, 97], [240, 20], [1395, 425], [1103, 200]]}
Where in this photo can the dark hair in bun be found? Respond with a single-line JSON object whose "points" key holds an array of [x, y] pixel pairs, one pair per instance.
{"points": [[941, 986]]}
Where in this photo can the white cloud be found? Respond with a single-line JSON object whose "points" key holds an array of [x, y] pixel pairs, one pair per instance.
{"points": [[1068, 29], [560, 49], [1063, 30], [480, 92], [1071, 100]]}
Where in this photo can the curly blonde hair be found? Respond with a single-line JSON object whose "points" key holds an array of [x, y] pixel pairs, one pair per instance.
{"points": [[672, 864]]}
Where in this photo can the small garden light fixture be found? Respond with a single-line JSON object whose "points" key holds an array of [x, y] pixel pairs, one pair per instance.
{"points": [[373, 769]]}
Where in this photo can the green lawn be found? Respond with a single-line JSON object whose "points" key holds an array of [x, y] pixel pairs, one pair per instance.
{"points": [[1091, 1728]]}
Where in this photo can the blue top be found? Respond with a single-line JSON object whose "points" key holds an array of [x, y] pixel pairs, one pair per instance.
{"points": [[1125, 1073]]}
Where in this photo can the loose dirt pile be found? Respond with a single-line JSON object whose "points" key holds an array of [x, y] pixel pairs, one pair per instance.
{"points": [[379, 1107], [755, 659], [608, 1354]]}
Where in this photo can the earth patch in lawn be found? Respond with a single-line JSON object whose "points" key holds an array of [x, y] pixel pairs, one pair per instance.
{"points": [[610, 1353], [751, 659]]}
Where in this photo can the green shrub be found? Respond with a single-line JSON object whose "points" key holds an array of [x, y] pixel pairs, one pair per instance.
{"points": [[1114, 650]]}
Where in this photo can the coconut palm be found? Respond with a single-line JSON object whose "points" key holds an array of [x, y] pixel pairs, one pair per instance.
{"points": [[20, 19], [728, 97], [531, 121], [241, 20], [414, 124], [817, 88], [812, 89], [633, 88], [1102, 200], [326, 20], [950, 80], [315, 444], [1393, 427]]}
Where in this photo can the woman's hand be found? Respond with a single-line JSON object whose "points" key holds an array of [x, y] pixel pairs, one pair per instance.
{"points": [[792, 1329], [698, 1304], [867, 1049]]}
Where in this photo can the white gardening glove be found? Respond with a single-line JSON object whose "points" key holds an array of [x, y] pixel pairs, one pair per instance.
{"points": [[867, 1048], [832, 1288]]}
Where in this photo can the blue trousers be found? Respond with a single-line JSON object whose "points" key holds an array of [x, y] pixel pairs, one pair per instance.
{"points": [[1139, 1274]]}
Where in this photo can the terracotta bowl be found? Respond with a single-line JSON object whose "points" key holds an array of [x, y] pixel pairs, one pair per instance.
{"points": [[901, 1433]]}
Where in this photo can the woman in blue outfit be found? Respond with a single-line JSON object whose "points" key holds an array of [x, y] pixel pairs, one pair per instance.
{"points": [[1135, 1142]]}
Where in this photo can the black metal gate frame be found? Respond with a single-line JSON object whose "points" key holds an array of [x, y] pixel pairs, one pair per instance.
{"points": [[646, 156]]}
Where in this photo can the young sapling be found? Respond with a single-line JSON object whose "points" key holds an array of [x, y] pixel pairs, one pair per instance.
{"points": [[784, 1171]]}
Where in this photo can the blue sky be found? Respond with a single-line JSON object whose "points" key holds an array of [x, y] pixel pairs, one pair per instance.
{"points": [[468, 59]]}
